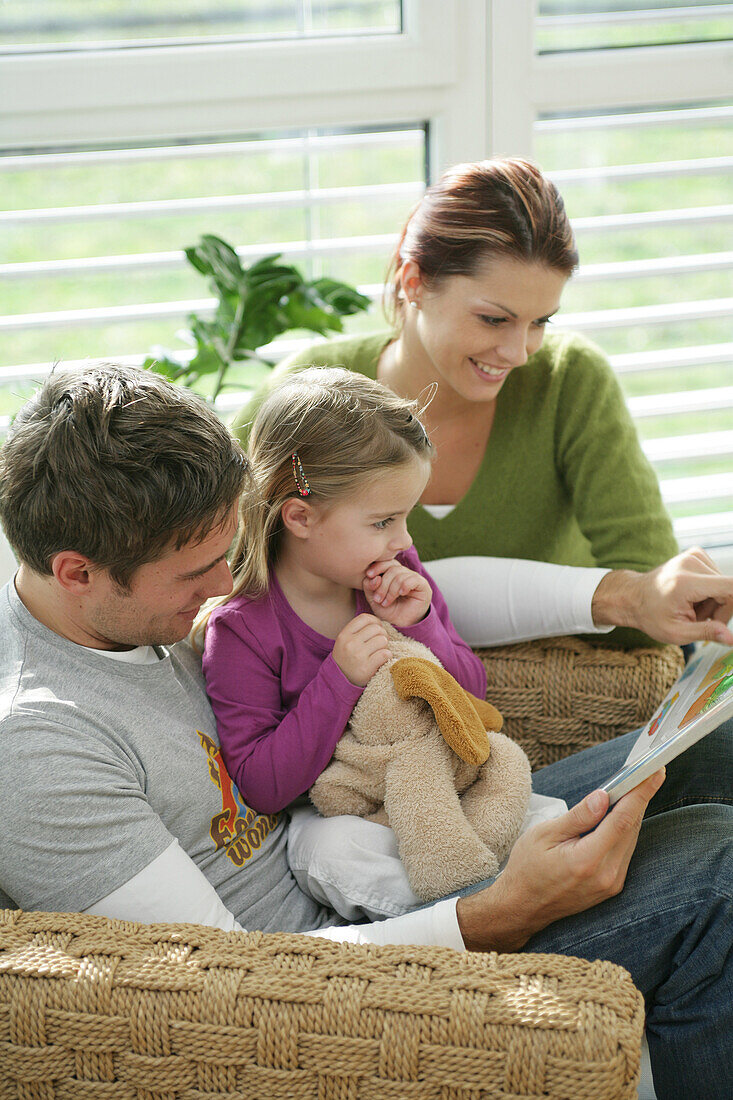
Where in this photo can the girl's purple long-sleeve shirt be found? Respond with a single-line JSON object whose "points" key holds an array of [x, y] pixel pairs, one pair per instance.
{"points": [[280, 700]]}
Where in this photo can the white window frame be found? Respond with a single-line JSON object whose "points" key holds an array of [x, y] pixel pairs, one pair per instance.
{"points": [[436, 71], [218, 91], [524, 85], [468, 68]]}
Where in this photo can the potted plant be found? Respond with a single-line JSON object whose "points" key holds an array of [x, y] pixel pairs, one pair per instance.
{"points": [[255, 304]]}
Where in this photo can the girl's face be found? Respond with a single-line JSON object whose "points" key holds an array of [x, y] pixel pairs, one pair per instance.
{"points": [[475, 329], [371, 525]]}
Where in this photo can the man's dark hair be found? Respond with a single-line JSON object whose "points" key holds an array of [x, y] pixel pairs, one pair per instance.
{"points": [[115, 463]]}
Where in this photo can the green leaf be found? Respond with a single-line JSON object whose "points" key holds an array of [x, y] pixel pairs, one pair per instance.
{"points": [[259, 327], [267, 272], [226, 311], [341, 297], [264, 266], [207, 332], [271, 287], [205, 361], [300, 311], [213, 256]]}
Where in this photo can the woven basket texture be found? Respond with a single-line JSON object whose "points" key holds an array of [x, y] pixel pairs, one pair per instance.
{"points": [[560, 695], [96, 1009]]}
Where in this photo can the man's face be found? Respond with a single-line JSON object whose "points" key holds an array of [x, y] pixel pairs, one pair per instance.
{"points": [[164, 595]]}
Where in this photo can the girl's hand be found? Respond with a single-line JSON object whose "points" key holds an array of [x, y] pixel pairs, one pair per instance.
{"points": [[361, 648], [397, 594]]}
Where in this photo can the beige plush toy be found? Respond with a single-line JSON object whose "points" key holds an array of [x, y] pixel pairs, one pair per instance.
{"points": [[426, 757]]}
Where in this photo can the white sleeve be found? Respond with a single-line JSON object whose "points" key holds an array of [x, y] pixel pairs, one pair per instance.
{"points": [[496, 601], [172, 888], [436, 926]]}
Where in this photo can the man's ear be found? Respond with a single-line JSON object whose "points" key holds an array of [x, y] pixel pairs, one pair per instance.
{"points": [[72, 571], [298, 517]]}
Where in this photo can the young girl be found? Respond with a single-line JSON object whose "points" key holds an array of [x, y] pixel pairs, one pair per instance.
{"points": [[322, 560]]}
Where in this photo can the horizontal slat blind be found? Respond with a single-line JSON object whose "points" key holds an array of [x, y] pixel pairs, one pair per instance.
{"points": [[655, 286], [568, 25], [326, 196], [58, 24], [91, 260]]}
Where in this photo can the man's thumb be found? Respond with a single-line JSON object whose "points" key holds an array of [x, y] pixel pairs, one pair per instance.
{"points": [[585, 816]]}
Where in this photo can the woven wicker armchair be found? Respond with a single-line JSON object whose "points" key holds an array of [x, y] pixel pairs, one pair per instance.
{"points": [[561, 695], [96, 1009]]}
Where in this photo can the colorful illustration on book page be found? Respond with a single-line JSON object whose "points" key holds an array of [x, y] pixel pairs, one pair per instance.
{"points": [[716, 683], [659, 716]]}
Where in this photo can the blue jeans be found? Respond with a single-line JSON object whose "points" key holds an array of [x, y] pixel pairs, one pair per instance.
{"points": [[672, 925]]}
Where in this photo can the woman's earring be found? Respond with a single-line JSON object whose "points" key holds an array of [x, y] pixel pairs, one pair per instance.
{"points": [[413, 304]]}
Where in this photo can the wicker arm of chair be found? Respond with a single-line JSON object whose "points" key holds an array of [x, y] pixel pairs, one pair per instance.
{"points": [[561, 695], [97, 1009]]}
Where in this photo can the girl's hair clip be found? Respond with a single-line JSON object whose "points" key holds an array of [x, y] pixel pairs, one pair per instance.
{"points": [[417, 419], [301, 481]]}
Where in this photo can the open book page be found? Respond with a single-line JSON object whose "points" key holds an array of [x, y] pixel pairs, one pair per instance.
{"points": [[699, 700]]}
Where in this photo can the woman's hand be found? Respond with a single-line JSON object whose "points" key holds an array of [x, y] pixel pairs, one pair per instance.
{"points": [[687, 599], [397, 594], [361, 648], [557, 869]]}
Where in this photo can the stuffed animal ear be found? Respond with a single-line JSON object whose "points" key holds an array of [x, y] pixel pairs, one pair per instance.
{"points": [[456, 711], [489, 715]]}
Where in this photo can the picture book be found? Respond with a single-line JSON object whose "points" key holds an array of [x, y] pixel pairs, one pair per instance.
{"points": [[699, 700]]}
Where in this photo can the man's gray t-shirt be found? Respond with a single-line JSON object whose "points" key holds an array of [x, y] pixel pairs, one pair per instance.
{"points": [[103, 763]]}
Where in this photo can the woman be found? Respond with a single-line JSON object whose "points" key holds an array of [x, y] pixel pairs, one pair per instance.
{"points": [[537, 456]]}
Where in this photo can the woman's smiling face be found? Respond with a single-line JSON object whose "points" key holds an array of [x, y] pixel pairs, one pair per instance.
{"points": [[475, 329]]}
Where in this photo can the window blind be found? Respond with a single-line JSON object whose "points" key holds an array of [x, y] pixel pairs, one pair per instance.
{"points": [[92, 263], [650, 195]]}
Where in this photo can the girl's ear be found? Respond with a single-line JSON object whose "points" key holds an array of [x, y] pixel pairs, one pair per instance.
{"points": [[412, 282], [298, 517]]}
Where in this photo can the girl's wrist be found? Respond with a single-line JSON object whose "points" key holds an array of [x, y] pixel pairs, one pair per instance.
{"points": [[416, 620], [424, 615]]}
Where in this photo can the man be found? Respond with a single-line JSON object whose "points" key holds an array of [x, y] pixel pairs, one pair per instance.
{"points": [[119, 496]]}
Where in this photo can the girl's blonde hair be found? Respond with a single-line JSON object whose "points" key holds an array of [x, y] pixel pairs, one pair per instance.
{"points": [[344, 428]]}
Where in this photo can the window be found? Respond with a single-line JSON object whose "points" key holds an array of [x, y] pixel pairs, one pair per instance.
{"points": [[645, 194], [564, 25], [314, 129], [95, 266], [43, 25], [628, 106], [311, 138]]}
